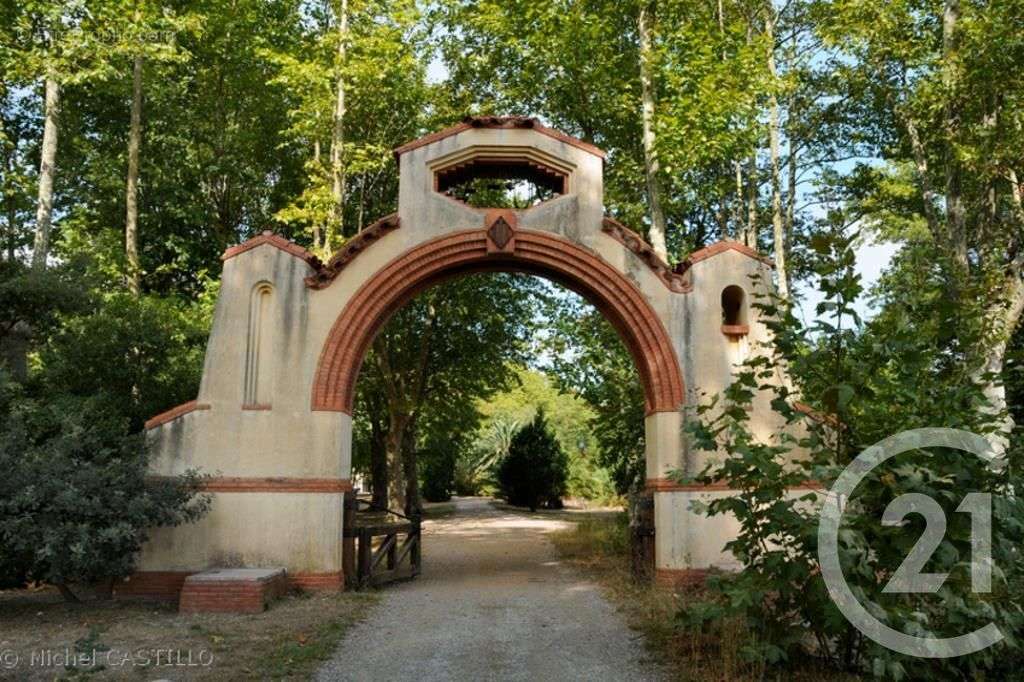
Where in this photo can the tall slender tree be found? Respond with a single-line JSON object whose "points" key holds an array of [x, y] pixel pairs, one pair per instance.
{"points": [[645, 25], [336, 228]]}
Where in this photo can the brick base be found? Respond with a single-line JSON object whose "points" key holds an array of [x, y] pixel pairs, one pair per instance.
{"points": [[167, 585], [161, 585], [232, 590], [317, 581], [680, 577]]}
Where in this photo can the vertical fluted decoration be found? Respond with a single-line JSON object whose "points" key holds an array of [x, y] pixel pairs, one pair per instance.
{"points": [[259, 346]]}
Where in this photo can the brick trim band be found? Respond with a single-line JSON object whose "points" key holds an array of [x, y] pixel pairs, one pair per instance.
{"points": [[227, 484], [632, 240], [667, 485], [680, 577], [735, 329], [173, 413], [535, 252], [317, 581]]}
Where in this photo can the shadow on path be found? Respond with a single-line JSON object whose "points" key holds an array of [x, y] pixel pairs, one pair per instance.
{"points": [[493, 603]]}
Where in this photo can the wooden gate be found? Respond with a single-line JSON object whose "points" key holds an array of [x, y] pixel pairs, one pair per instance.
{"points": [[380, 545]]}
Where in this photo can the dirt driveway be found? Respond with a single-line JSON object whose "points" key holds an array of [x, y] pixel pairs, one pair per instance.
{"points": [[493, 603]]}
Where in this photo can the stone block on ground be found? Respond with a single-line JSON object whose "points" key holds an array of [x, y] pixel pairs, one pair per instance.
{"points": [[232, 590]]}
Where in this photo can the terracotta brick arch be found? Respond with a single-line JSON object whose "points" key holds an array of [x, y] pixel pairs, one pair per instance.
{"points": [[531, 252]]}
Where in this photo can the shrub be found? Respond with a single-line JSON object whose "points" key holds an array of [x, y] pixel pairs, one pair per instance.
{"points": [[75, 502], [535, 471], [901, 370], [438, 472], [138, 355]]}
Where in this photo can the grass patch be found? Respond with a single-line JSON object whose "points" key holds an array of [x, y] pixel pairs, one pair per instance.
{"points": [[599, 546], [149, 640]]}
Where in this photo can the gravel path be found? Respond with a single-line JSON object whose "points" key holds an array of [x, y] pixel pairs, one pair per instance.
{"points": [[493, 603]]}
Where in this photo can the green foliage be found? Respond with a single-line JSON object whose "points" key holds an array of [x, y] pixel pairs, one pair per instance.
{"points": [[75, 502], [76, 505], [137, 356], [571, 419], [903, 369], [387, 103], [37, 300], [591, 362], [451, 346], [437, 467], [474, 470], [535, 470]]}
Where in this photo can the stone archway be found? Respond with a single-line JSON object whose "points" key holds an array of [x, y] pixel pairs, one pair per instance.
{"points": [[273, 417]]}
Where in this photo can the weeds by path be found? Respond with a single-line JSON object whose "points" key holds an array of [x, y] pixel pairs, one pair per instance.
{"points": [[150, 640], [598, 545]]}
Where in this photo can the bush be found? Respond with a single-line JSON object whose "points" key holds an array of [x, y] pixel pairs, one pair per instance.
{"points": [[901, 370], [438, 471], [75, 502], [535, 471], [138, 355]]}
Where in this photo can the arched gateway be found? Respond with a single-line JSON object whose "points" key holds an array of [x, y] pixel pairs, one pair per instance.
{"points": [[273, 422]]}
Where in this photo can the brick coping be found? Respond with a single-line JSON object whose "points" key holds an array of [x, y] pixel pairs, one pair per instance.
{"points": [[236, 575], [173, 413], [273, 484]]}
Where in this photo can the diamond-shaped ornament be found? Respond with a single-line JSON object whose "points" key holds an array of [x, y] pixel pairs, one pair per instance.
{"points": [[500, 233]]}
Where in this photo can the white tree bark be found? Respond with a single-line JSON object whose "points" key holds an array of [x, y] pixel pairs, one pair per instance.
{"points": [[658, 227], [317, 244], [337, 225], [47, 171], [1006, 317], [778, 222]]}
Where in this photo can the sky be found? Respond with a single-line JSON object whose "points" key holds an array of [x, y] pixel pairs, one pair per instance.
{"points": [[872, 261]]}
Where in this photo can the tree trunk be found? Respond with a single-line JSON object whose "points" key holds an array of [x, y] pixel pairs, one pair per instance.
{"points": [[955, 210], [791, 195], [1006, 317], [658, 228], [378, 465], [750, 234], [778, 224], [413, 503], [740, 231], [337, 224], [395, 461], [47, 171], [317, 244], [10, 196], [68, 595], [131, 222]]}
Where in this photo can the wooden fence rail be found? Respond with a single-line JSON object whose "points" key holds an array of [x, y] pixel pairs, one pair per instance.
{"points": [[380, 545]]}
